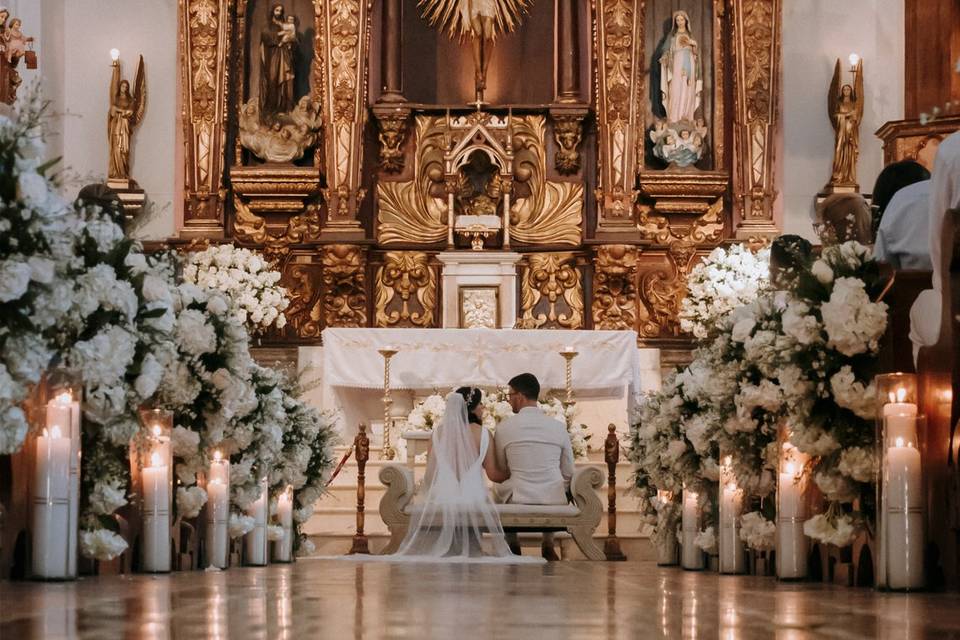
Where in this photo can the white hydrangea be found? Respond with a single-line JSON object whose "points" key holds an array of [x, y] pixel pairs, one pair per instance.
{"points": [[14, 279], [101, 544], [858, 463], [190, 501], [240, 525], [107, 497], [194, 334], [835, 486], [757, 532], [853, 395], [854, 324], [838, 531], [706, 540]]}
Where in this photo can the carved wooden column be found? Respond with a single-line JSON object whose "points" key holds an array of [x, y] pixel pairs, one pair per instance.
{"points": [[568, 52], [618, 59], [756, 34], [343, 29], [392, 52], [362, 446], [205, 33]]}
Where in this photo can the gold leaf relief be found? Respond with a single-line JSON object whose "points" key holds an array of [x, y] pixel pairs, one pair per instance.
{"points": [[406, 290], [552, 292]]}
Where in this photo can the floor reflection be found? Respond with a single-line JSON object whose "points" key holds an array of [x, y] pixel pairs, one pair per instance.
{"points": [[565, 601]]}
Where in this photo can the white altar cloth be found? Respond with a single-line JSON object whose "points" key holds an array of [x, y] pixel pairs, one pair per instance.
{"points": [[444, 358]]}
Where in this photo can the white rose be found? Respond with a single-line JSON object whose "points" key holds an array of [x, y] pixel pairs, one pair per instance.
{"points": [[822, 272], [101, 544], [32, 189], [41, 269], [14, 279], [155, 289], [107, 497]]}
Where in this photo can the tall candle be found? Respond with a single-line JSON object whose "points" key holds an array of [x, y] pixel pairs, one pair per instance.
{"points": [[256, 539], [51, 508], [791, 542], [283, 549], [64, 411], [667, 546], [692, 555], [904, 542], [732, 558], [901, 421], [156, 516], [160, 445], [218, 517]]}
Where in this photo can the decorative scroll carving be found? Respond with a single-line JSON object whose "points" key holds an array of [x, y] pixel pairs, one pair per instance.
{"points": [[756, 79], [415, 211], [343, 29], [552, 294], [553, 211], [406, 290], [205, 32], [302, 275], [662, 291], [614, 287], [568, 132], [344, 286], [392, 123], [618, 57]]}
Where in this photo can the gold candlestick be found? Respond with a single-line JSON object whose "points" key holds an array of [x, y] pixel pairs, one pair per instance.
{"points": [[388, 452], [568, 355]]}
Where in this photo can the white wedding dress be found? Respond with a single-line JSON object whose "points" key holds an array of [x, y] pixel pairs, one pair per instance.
{"points": [[455, 519]]}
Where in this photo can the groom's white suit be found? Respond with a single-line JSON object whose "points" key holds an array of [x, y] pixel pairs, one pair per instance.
{"points": [[536, 451]]}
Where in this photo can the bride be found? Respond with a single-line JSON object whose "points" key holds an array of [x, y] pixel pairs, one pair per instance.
{"points": [[455, 520]]}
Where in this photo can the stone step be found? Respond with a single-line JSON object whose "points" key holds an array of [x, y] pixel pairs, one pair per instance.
{"points": [[348, 475]]}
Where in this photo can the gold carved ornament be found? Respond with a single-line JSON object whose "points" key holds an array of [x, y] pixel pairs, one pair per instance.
{"points": [[706, 228], [415, 211], [301, 280], [757, 48], [614, 287], [404, 282], [568, 132], [662, 292], [552, 292], [344, 286], [250, 228]]}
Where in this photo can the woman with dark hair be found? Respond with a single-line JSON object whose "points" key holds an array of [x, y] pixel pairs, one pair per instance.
{"points": [[895, 176], [901, 202], [843, 217], [472, 396], [789, 254]]}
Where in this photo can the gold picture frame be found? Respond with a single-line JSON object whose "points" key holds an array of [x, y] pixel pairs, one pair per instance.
{"points": [[473, 308]]}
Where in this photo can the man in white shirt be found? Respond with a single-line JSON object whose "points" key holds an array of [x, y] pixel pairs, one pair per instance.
{"points": [[944, 195], [536, 451], [903, 239]]}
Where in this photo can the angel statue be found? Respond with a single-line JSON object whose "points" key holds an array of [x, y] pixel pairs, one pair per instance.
{"points": [[845, 106], [126, 111], [481, 21]]}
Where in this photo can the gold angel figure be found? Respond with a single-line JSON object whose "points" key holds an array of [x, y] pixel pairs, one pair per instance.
{"points": [[480, 20], [126, 111], [845, 106]]}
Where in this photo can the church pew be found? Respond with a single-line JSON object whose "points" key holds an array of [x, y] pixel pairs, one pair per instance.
{"points": [[896, 350], [939, 388]]}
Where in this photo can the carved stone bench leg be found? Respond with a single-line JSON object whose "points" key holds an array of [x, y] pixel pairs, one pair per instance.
{"points": [[397, 534], [583, 536]]}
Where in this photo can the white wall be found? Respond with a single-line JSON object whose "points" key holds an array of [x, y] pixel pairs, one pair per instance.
{"points": [[74, 38], [815, 34]]}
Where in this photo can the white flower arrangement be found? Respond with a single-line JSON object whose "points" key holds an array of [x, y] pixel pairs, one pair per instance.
{"points": [[190, 501], [839, 530], [240, 525], [724, 280], [248, 280], [101, 544], [706, 540], [757, 532]]}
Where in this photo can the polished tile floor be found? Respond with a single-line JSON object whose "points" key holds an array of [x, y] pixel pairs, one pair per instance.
{"points": [[566, 600]]}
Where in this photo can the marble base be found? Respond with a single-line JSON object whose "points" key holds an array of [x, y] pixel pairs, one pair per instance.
{"points": [[466, 270]]}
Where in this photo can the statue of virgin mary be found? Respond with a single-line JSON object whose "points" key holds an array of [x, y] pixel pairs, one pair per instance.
{"points": [[681, 81]]}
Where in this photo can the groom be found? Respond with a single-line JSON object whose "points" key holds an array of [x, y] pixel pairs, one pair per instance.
{"points": [[535, 451]]}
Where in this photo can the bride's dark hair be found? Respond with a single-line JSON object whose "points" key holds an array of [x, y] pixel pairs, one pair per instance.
{"points": [[472, 396]]}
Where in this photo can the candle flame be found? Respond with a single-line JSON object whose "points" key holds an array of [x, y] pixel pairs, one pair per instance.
{"points": [[790, 467], [901, 394], [156, 460], [853, 58], [731, 486], [216, 481], [64, 398], [114, 54], [727, 461], [54, 431], [156, 430], [217, 455], [899, 442]]}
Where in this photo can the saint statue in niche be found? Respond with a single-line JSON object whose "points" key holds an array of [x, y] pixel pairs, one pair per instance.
{"points": [[479, 188], [845, 106], [681, 82], [680, 139], [126, 111], [481, 21], [277, 74]]}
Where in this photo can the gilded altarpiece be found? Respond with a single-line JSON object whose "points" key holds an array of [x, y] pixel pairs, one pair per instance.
{"points": [[353, 142]]}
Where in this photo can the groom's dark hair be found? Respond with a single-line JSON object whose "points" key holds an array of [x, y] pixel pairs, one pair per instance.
{"points": [[527, 385]]}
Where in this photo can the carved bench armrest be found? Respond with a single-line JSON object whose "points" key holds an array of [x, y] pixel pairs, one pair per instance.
{"points": [[398, 479], [584, 487]]}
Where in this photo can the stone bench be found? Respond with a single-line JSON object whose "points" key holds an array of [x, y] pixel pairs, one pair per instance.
{"points": [[580, 519]]}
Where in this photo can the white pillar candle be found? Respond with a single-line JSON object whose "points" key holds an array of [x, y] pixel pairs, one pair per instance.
{"points": [[218, 513], [160, 445], [690, 526], [283, 549], [155, 540], [256, 540], [732, 557], [904, 531], [63, 411], [791, 542], [901, 421], [51, 508]]}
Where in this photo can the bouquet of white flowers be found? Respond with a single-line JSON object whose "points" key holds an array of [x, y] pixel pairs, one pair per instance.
{"points": [[246, 279], [725, 280]]}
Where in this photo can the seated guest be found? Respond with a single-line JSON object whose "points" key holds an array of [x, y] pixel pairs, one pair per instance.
{"points": [[843, 217], [894, 177], [903, 239], [944, 196], [789, 254]]}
